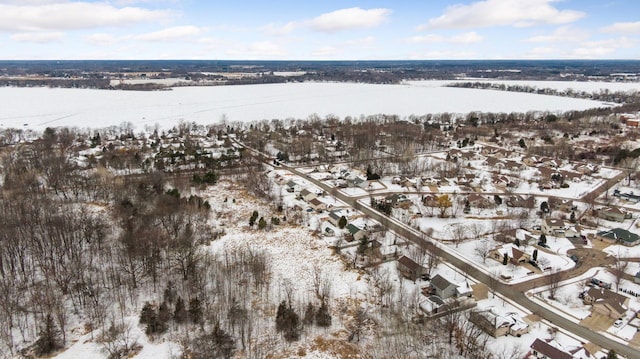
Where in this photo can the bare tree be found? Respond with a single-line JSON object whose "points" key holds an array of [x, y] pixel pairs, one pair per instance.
{"points": [[618, 270], [482, 249], [553, 280]]}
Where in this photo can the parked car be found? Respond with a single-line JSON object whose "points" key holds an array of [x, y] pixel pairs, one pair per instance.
{"points": [[618, 323]]}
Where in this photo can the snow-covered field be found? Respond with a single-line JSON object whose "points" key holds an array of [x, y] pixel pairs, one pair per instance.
{"points": [[37, 108]]}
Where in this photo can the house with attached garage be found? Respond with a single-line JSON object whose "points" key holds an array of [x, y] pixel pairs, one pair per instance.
{"points": [[553, 226], [619, 236], [606, 302], [444, 288], [355, 232], [317, 204], [514, 254], [496, 324], [307, 195], [613, 214], [551, 349]]}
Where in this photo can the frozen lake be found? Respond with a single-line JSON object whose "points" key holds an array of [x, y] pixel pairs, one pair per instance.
{"points": [[37, 108]]}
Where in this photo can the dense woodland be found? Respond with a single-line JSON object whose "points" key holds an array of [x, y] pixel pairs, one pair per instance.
{"points": [[95, 240]]}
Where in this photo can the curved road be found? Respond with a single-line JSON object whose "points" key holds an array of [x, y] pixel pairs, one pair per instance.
{"points": [[514, 293]]}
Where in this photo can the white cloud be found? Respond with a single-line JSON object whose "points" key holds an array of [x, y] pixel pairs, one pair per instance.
{"points": [[561, 34], [101, 39], [171, 34], [280, 30], [365, 41], [326, 51], [540, 53], [519, 13], [351, 18], [601, 48], [38, 37], [465, 38], [429, 38], [71, 15], [624, 28]]}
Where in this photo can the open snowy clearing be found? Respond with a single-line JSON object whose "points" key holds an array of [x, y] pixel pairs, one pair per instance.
{"points": [[205, 105]]}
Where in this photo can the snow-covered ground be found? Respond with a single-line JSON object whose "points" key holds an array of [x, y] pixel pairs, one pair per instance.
{"points": [[205, 105]]}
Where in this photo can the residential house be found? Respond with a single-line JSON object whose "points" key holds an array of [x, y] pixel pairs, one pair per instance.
{"points": [[619, 235], [355, 232], [515, 256], [317, 204], [479, 201], [408, 182], [307, 195], [490, 322], [430, 200], [293, 187], [443, 287], [409, 268], [553, 226], [521, 202], [606, 302], [359, 182], [334, 217], [530, 161], [613, 214], [561, 204], [514, 166], [585, 168], [543, 349], [497, 325], [628, 196], [398, 200]]}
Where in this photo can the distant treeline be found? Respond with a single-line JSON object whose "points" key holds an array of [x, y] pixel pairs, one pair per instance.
{"points": [[56, 82], [602, 95]]}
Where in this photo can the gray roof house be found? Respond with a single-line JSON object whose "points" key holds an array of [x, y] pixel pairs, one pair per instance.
{"points": [[620, 235]]}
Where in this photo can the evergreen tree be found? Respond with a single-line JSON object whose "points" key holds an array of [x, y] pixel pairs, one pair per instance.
{"points": [[535, 255], [180, 314], [195, 310], [342, 222], [147, 314], [164, 315], [48, 337], [572, 219], [612, 354], [544, 207], [517, 242], [505, 259], [309, 314], [323, 318], [543, 239], [262, 224], [254, 217]]}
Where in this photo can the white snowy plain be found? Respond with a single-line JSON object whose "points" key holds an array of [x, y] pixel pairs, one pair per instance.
{"points": [[38, 108]]}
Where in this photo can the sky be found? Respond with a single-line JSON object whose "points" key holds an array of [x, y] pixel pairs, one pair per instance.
{"points": [[319, 30]]}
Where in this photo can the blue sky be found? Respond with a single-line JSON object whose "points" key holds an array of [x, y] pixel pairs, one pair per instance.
{"points": [[320, 30]]}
